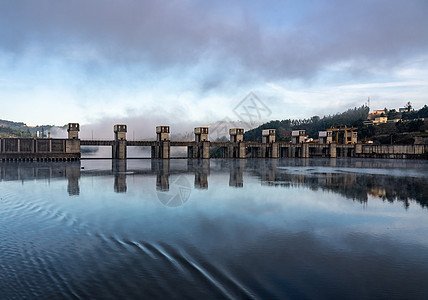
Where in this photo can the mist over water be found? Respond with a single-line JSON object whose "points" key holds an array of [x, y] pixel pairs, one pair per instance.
{"points": [[256, 228]]}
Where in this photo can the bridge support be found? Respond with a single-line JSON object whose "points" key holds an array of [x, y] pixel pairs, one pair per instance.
{"points": [[202, 147], [305, 150], [205, 149], [73, 130], [200, 150], [269, 147], [333, 152], [119, 146], [119, 150], [358, 148], [242, 150], [268, 136], [274, 150], [237, 149], [72, 144], [163, 148]]}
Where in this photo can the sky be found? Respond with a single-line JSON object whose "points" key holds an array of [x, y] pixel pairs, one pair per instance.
{"points": [[182, 63]]}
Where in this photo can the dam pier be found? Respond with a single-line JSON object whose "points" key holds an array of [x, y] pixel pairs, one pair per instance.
{"points": [[333, 143]]}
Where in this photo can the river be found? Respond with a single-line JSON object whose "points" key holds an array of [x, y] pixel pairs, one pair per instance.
{"points": [[202, 229]]}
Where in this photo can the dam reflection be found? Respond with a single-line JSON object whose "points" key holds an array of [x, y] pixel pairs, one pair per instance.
{"points": [[356, 180]]}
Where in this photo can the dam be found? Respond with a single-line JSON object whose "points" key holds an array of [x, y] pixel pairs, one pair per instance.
{"points": [[69, 149]]}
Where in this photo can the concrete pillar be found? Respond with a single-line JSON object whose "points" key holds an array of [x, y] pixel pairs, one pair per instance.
{"points": [[268, 136], [262, 151], [197, 150], [73, 130], [274, 150], [332, 150], [305, 151], [19, 145], [205, 149], [358, 149], [236, 135], [120, 132], [242, 150], [162, 133], [298, 136], [119, 147], [201, 134], [165, 149], [71, 146]]}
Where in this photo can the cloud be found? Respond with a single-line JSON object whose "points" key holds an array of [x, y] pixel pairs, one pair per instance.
{"points": [[165, 35], [384, 85], [140, 126], [110, 61]]}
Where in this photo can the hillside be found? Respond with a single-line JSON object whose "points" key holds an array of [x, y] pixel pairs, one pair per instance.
{"points": [[20, 129], [351, 117]]}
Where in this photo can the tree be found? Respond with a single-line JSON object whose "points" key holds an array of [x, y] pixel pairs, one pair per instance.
{"points": [[408, 106], [392, 114]]}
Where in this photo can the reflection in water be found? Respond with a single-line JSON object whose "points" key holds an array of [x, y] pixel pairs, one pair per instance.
{"points": [[201, 168], [236, 178], [24, 171], [192, 229], [354, 179], [72, 172], [119, 171], [161, 169]]}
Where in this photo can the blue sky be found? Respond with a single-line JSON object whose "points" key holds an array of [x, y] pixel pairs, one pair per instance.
{"points": [[192, 62]]}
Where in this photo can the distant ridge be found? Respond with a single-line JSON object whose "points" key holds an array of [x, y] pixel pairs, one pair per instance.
{"points": [[21, 129]]}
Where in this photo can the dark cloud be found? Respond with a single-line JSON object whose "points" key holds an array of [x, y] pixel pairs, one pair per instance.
{"points": [[180, 34]]}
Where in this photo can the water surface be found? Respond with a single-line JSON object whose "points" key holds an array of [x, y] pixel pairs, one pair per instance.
{"points": [[291, 228]]}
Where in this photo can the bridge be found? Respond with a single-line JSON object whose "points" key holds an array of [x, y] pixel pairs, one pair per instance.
{"points": [[22, 149]]}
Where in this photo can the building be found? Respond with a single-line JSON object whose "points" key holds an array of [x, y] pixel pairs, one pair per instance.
{"points": [[376, 113], [325, 137], [380, 120], [298, 136]]}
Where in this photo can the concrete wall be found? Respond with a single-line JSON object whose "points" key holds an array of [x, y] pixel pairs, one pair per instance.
{"points": [[39, 149], [353, 150], [65, 149], [391, 151], [162, 150]]}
